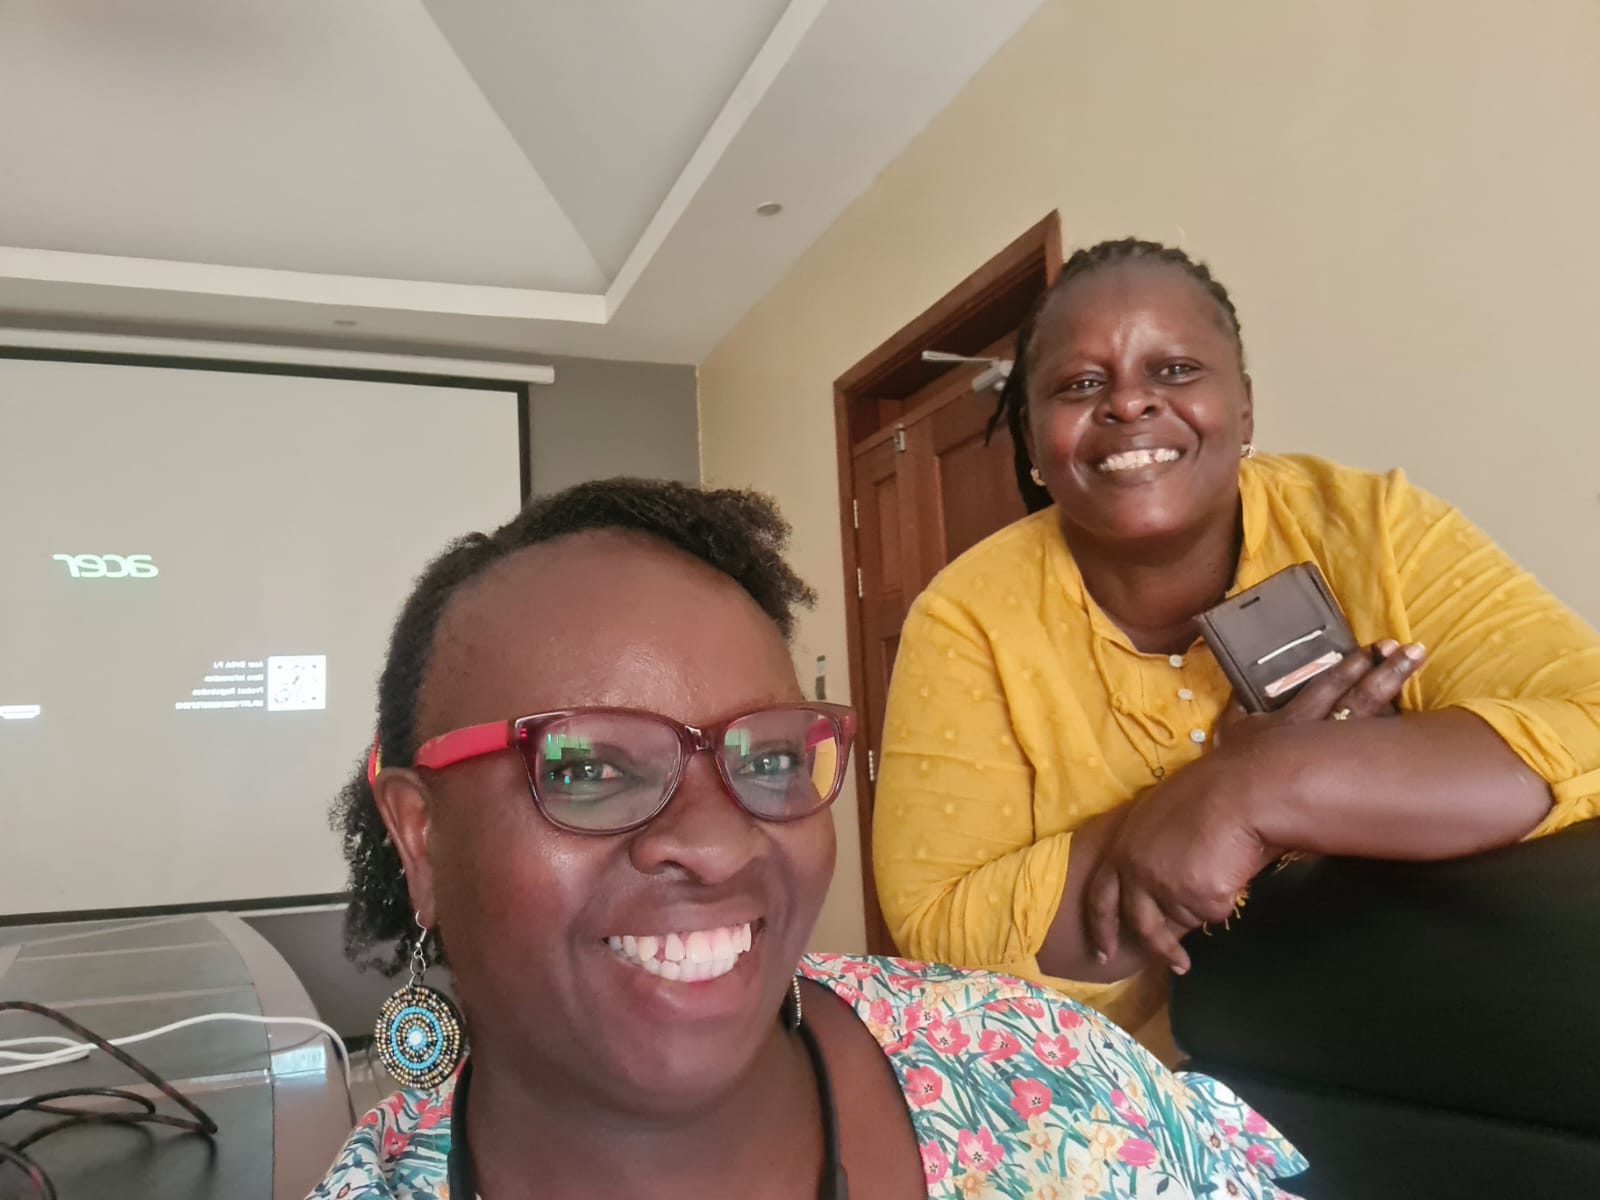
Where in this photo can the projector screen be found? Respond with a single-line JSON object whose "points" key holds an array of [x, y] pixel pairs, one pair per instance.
{"points": [[201, 568]]}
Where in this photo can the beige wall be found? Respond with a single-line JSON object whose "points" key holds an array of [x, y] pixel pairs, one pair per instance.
{"points": [[602, 418], [1401, 194]]}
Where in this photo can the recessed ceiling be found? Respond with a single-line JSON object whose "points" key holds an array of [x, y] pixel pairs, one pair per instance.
{"points": [[543, 176]]}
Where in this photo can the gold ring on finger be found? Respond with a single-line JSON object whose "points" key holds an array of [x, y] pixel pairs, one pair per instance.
{"points": [[1342, 714]]}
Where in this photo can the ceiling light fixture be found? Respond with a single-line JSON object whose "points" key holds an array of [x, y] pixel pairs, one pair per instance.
{"points": [[770, 209]]}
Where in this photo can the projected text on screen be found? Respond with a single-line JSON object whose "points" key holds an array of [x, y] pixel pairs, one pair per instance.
{"points": [[108, 566], [278, 683]]}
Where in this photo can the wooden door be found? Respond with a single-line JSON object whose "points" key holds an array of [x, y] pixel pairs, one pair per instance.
{"points": [[886, 582], [973, 487], [924, 493], [918, 484]]}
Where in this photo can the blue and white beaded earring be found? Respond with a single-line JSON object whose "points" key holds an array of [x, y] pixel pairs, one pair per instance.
{"points": [[419, 1034]]}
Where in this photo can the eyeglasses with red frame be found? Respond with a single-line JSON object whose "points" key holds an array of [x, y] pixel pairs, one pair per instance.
{"points": [[611, 770]]}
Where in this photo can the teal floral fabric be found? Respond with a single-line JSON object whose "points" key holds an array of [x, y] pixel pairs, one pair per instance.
{"points": [[1015, 1093]]}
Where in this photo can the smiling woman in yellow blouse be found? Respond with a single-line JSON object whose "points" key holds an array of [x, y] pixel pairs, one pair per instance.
{"points": [[1067, 788]]}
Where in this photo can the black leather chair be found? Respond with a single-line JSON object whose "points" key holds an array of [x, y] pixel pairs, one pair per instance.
{"points": [[1425, 1032]]}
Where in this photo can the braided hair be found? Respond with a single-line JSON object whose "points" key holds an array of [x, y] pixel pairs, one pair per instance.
{"points": [[740, 533], [1013, 404]]}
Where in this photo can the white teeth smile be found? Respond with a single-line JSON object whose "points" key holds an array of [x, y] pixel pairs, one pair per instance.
{"points": [[1129, 460], [685, 957]]}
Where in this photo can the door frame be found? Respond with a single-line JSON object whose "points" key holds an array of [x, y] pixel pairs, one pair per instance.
{"points": [[1039, 245]]}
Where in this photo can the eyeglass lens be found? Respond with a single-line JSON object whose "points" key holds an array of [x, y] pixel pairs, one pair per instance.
{"points": [[605, 771]]}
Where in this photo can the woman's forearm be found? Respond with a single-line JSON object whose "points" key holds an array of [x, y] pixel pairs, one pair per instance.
{"points": [[1420, 787], [1066, 952]]}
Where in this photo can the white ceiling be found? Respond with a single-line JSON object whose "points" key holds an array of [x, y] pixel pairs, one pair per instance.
{"points": [[552, 176]]}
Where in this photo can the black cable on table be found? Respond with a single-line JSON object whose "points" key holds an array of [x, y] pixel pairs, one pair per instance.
{"points": [[52, 1103]]}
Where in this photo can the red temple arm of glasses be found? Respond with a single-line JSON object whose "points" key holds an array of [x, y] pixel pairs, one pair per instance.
{"points": [[458, 745], [450, 748]]}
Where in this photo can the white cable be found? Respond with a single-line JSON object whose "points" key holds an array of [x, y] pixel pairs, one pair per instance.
{"points": [[60, 1043], [70, 1051]]}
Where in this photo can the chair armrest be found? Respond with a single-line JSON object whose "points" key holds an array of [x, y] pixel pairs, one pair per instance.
{"points": [[1471, 985]]}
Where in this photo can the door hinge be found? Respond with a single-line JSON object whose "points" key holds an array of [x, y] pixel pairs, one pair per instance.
{"points": [[899, 441], [861, 587], [872, 767], [855, 514]]}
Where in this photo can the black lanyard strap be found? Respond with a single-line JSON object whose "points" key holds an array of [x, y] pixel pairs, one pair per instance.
{"points": [[832, 1186]]}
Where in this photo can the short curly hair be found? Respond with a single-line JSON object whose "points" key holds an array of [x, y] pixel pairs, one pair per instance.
{"points": [[740, 533]]}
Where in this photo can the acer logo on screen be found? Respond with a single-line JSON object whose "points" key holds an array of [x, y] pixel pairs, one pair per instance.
{"points": [[108, 566]]}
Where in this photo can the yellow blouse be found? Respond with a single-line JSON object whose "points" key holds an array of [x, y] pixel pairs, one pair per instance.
{"points": [[1018, 710]]}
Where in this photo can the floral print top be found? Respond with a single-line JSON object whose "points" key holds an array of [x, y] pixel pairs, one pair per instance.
{"points": [[1015, 1093]]}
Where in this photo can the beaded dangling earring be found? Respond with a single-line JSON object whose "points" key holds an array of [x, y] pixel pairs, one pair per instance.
{"points": [[419, 1033], [791, 1007]]}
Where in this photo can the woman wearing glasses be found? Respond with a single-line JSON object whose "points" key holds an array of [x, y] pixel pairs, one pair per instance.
{"points": [[597, 787]]}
